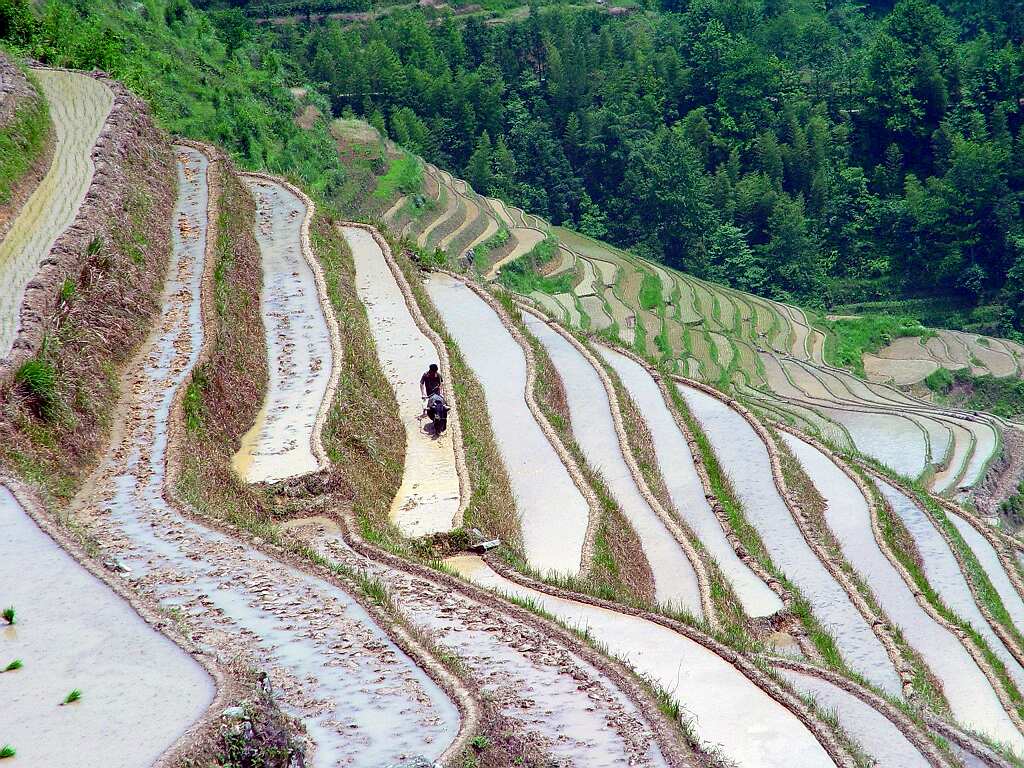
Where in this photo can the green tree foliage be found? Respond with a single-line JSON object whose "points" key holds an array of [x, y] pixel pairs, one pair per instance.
{"points": [[863, 150]]}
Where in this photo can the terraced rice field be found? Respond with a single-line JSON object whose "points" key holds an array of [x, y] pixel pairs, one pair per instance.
{"points": [[971, 697], [430, 497], [284, 441], [553, 514], [765, 734], [241, 603], [95, 642], [746, 458], [685, 487], [79, 106], [908, 361], [365, 682], [595, 431]]}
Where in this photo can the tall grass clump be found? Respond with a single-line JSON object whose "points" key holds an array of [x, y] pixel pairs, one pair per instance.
{"points": [[7, 751], [16, 664], [38, 378], [9, 614]]}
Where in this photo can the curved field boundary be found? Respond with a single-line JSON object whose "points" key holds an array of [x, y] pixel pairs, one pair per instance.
{"points": [[739, 661], [907, 728], [1000, 558], [685, 488], [527, 238], [79, 108], [275, 565], [566, 458], [666, 734], [1010, 588], [439, 486], [40, 244], [817, 549], [636, 476], [944, 567], [977, 461], [225, 689], [554, 515], [906, 578], [489, 231], [285, 411], [1013, 717]]}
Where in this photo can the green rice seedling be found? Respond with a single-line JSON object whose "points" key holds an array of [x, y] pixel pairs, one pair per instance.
{"points": [[16, 664], [7, 751], [74, 695], [9, 614]]}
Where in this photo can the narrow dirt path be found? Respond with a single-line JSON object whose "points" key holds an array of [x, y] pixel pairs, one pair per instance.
{"points": [[593, 427], [430, 497], [79, 105], [745, 458], [140, 691], [333, 667], [971, 697], [730, 714], [553, 512], [285, 441], [684, 485]]}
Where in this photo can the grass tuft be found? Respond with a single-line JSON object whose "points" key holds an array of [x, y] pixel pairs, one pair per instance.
{"points": [[9, 614], [73, 695], [16, 664], [7, 751]]}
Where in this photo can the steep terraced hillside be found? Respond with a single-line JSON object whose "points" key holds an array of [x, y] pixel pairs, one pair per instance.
{"points": [[772, 354], [659, 530]]}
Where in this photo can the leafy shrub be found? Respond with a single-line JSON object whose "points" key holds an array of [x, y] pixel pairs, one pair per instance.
{"points": [[940, 380]]}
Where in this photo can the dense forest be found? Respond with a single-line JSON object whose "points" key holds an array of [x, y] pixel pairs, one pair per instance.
{"points": [[827, 151]]}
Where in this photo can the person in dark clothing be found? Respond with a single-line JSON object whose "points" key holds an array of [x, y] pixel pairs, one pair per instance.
{"points": [[430, 382], [437, 412]]}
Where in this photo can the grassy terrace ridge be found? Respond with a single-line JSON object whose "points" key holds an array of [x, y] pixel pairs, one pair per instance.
{"points": [[640, 444], [224, 394], [23, 141]]}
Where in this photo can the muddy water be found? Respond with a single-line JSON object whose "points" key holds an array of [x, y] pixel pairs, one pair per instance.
{"points": [[970, 696], [993, 568], [141, 692], [553, 514], [744, 458], [428, 500], [78, 107], [332, 666], [554, 697], [728, 711], [944, 574], [674, 579], [279, 445], [684, 485], [878, 735]]}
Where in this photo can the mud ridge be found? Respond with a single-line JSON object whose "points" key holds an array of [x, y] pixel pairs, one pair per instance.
{"points": [[975, 653], [545, 426], [702, 472], [399, 635], [228, 687]]}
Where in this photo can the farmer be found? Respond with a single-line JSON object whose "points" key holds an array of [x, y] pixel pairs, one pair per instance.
{"points": [[430, 382]]}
